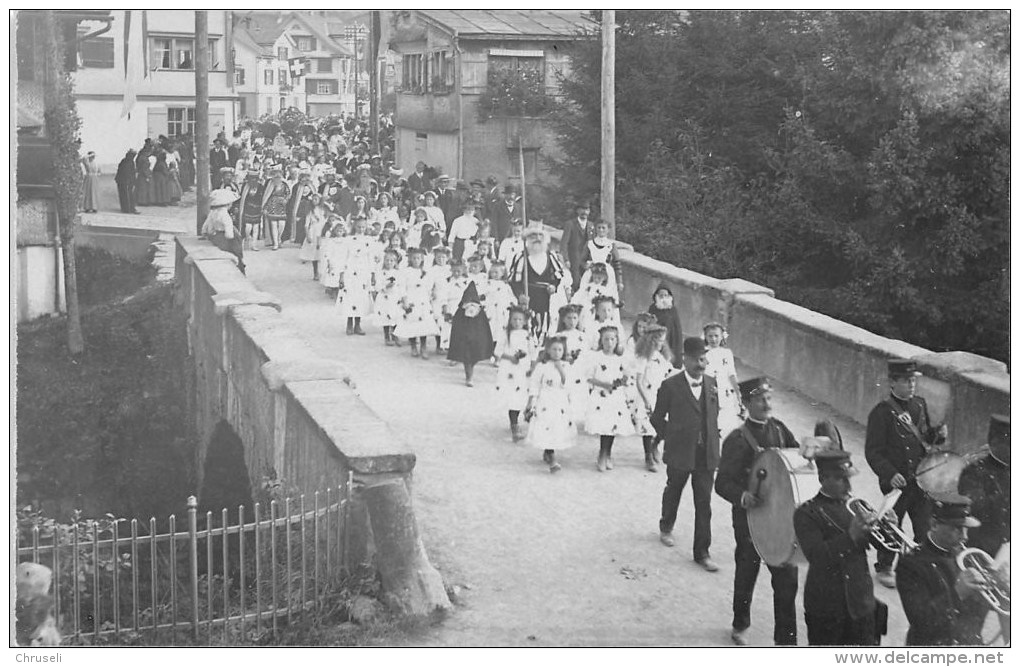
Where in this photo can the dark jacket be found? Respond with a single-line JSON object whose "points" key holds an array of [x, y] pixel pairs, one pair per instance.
{"points": [[126, 172], [419, 184], [682, 421], [926, 581], [738, 456], [573, 245], [501, 217], [447, 202], [838, 583], [890, 446], [670, 318], [986, 483]]}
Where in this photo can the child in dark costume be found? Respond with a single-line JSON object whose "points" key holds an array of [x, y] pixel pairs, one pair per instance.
{"points": [[666, 313], [470, 336]]}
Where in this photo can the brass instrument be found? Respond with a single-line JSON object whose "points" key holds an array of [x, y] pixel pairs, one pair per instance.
{"points": [[885, 531], [992, 590]]}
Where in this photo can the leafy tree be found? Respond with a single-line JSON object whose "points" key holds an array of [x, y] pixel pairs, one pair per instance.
{"points": [[857, 162]]}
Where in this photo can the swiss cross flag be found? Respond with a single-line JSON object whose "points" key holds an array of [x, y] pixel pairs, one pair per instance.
{"points": [[297, 67]]}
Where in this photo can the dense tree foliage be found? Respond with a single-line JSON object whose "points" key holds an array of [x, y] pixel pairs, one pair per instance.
{"points": [[857, 162]]}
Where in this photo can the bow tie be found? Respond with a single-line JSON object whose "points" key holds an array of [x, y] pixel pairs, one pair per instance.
{"points": [[695, 384]]}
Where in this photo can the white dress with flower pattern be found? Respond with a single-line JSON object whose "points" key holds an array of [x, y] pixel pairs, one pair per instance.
{"points": [[607, 412], [355, 298], [512, 378], [388, 312], [552, 427], [650, 374], [418, 319]]}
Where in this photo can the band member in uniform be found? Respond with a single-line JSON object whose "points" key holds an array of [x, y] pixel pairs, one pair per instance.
{"points": [[759, 431], [690, 401], [943, 604], [839, 596], [986, 483], [898, 436]]}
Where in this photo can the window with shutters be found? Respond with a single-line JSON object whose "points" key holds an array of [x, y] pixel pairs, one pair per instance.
{"points": [[305, 43], [282, 52], [180, 120], [323, 65], [322, 88], [268, 77], [283, 103], [283, 78], [96, 52]]}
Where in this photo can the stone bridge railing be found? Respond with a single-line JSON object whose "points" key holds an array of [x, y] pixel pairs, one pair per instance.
{"points": [[828, 360], [299, 419]]}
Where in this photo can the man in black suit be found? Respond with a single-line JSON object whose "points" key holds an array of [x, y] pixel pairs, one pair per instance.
{"points": [[505, 212], [419, 182], [445, 200], [897, 439], [759, 431], [686, 416], [217, 160], [574, 242], [125, 179], [839, 595]]}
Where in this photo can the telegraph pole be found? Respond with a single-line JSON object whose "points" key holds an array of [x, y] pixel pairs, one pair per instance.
{"points": [[373, 80], [608, 201], [202, 116]]}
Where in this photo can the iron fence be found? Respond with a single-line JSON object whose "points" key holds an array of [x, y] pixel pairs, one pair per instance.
{"points": [[226, 573]]}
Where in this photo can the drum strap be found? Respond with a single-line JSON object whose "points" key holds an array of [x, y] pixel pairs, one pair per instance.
{"points": [[753, 441], [903, 417]]}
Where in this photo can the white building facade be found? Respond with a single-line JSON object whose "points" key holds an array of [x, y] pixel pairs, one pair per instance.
{"points": [[165, 95]]}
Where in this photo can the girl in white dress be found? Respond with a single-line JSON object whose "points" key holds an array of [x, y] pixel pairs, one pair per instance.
{"points": [[515, 352], [434, 213], [551, 425], [314, 222], [649, 367], [388, 313], [577, 356], [498, 299], [607, 415], [440, 272], [333, 250], [358, 277], [595, 284], [447, 296], [418, 321], [723, 368], [384, 211], [601, 249], [641, 322], [606, 314], [360, 209]]}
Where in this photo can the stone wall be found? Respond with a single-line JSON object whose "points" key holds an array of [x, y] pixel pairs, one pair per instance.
{"points": [[828, 360], [299, 418]]}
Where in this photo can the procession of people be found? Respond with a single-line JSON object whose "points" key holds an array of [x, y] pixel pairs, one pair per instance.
{"points": [[444, 267]]}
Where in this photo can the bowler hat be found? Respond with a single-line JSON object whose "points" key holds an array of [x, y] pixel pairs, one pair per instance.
{"points": [[694, 347]]}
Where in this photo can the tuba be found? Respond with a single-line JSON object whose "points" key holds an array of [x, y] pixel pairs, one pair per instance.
{"points": [[885, 531], [992, 590]]}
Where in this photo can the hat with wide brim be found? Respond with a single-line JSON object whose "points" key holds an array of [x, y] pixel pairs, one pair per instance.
{"points": [[222, 197], [396, 172]]}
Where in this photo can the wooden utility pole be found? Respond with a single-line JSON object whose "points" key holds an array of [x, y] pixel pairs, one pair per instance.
{"points": [[202, 116], [375, 26], [608, 200]]}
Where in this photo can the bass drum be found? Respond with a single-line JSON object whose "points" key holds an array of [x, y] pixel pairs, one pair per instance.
{"points": [[782, 479], [939, 472]]}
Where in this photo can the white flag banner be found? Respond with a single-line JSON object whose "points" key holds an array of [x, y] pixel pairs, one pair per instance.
{"points": [[134, 58]]}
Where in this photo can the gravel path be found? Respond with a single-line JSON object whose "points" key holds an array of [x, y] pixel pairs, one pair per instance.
{"points": [[539, 559]]}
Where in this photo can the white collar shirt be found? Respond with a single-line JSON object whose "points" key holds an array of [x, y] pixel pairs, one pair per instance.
{"points": [[695, 385]]}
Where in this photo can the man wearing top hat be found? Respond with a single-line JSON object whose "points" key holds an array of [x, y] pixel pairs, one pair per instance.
{"points": [[898, 436], [686, 416], [986, 483], [942, 603], [759, 431], [505, 212], [574, 242], [839, 595]]}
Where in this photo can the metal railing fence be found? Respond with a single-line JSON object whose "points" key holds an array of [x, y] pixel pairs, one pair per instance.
{"points": [[232, 575]]}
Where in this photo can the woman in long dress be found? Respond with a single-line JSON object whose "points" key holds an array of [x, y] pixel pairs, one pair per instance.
{"points": [[143, 182], [274, 204], [173, 163], [160, 180], [91, 188]]}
